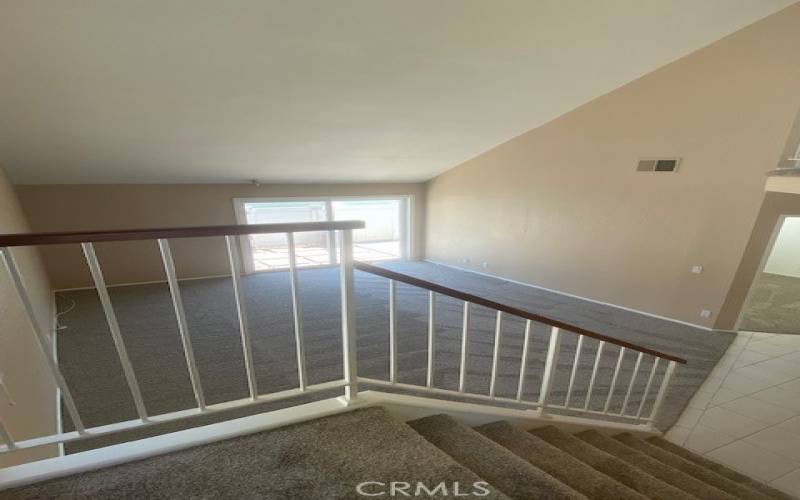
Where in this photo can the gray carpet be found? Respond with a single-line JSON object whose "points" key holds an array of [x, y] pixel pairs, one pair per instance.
{"points": [[658, 470], [498, 465], [562, 466], [616, 468], [773, 306], [325, 458], [329, 457], [145, 313], [698, 472]]}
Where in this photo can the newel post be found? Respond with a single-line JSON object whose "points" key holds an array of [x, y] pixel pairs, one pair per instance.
{"points": [[549, 369], [350, 370]]}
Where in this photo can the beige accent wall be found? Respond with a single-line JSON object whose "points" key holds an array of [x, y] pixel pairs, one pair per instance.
{"points": [[125, 206], [21, 361], [563, 207]]}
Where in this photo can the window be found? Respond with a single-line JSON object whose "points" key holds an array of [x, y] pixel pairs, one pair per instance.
{"points": [[385, 237]]}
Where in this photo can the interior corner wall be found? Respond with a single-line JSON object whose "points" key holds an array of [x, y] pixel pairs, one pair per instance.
{"points": [[130, 206], [772, 208], [784, 259], [563, 207], [34, 412]]}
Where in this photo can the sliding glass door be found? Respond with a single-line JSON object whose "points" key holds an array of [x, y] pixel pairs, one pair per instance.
{"points": [[385, 237], [382, 238], [271, 251]]}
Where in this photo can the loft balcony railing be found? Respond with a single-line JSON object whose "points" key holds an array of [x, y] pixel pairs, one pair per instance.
{"points": [[350, 380]]}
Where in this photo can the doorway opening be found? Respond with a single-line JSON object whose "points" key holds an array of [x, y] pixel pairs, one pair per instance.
{"points": [[773, 304], [385, 237]]}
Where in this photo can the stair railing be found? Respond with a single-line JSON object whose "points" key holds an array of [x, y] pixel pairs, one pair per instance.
{"points": [[350, 379], [544, 403]]}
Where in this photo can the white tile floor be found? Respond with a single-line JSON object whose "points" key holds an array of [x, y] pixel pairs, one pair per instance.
{"points": [[746, 414]]}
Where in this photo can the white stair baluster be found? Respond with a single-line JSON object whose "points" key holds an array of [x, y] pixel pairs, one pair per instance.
{"points": [[496, 352], [462, 375], [647, 388], [523, 368], [113, 326], [183, 326], [574, 372], [549, 368], [234, 255], [42, 339], [297, 314]]}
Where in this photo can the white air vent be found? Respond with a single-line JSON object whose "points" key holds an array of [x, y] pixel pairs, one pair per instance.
{"points": [[658, 164]]}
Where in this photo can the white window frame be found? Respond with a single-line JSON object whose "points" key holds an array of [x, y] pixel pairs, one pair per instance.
{"points": [[407, 233]]}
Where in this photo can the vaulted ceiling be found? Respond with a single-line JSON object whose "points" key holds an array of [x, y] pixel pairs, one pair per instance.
{"points": [[113, 91]]}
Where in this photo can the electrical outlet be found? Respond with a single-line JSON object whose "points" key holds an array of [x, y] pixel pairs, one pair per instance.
{"points": [[484, 264], [705, 313], [697, 269]]}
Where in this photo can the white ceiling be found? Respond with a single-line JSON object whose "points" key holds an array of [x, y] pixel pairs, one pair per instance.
{"points": [[108, 91]]}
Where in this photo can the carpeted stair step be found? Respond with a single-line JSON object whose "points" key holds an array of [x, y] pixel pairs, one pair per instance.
{"points": [[503, 469], [706, 475], [719, 469], [323, 458], [610, 465], [654, 467], [559, 464]]}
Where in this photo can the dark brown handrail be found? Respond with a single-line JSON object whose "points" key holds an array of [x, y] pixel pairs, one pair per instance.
{"points": [[18, 240], [457, 294]]}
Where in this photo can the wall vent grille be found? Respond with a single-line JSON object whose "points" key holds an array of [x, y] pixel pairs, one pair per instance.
{"points": [[658, 164]]}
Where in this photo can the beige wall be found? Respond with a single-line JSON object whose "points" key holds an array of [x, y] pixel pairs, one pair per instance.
{"points": [[21, 361], [562, 206], [87, 207]]}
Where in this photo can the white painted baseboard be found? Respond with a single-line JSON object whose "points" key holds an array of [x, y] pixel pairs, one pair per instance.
{"points": [[559, 292]]}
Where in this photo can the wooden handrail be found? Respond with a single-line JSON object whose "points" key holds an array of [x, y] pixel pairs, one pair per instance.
{"points": [[457, 294], [24, 239]]}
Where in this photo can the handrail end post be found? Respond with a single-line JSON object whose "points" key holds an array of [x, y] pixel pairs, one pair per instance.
{"points": [[549, 369], [349, 346], [662, 392]]}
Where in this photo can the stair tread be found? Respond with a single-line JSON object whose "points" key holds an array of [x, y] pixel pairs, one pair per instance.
{"points": [[702, 473], [610, 465], [719, 468], [561, 465], [654, 467], [504, 470], [322, 458]]}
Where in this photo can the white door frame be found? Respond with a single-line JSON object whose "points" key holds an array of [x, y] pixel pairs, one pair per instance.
{"points": [[761, 265]]}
